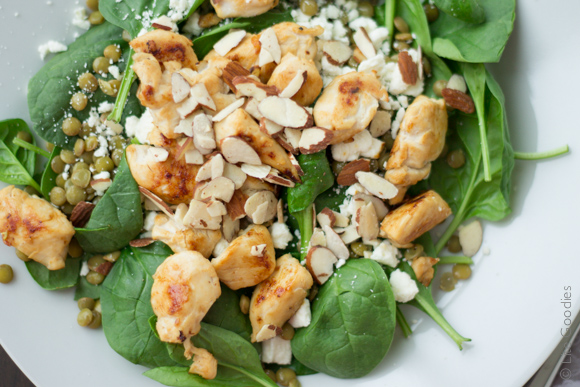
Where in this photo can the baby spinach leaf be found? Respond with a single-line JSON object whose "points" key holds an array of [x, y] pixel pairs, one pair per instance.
{"points": [[331, 198], [117, 218], [86, 289], [16, 163], [468, 11], [126, 306], [402, 323], [412, 12], [299, 368], [317, 178], [476, 43], [48, 179], [353, 322], [225, 313], [56, 279], [131, 15], [204, 44]]}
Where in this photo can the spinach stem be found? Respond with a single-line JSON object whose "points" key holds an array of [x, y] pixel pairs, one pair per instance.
{"points": [[263, 382], [542, 155], [34, 184], [455, 259], [26, 145], [389, 19], [403, 324], [128, 79], [484, 144], [305, 220]]}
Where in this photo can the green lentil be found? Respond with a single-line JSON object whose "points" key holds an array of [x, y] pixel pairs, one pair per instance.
{"points": [[431, 11], [447, 282], [414, 252], [22, 256], [287, 332], [95, 278], [101, 66], [71, 126], [74, 248], [81, 178], [85, 317], [57, 196], [359, 248], [88, 83], [67, 156], [6, 274], [75, 195], [97, 319], [86, 303], [438, 87], [24, 136], [104, 164], [79, 147], [401, 25], [112, 52], [112, 257], [309, 7], [96, 18], [461, 271], [453, 244], [79, 101], [284, 376], [93, 5], [456, 158]]}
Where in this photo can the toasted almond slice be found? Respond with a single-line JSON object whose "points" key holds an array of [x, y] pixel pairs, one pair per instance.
{"points": [[295, 85], [216, 208], [261, 206], [258, 250], [364, 43], [160, 26], [252, 109], [200, 94], [317, 239], [326, 217], [236, 150], [229, 42], [470, 238], [187, 107], [220, 188], [347, 174], [280, 211], [270, 128], [257, 171], [285, 143], [81, 213], [203, 134], [376, 185], [189, 75], [198, 217], [156, 154], [236, 205], [380, 207], [380, 124], [229, 227], [265, 58], [341, 220], [179, 87], [163, 23], [320, 262], [314, 140], [180, 212], [420, 62], [269, 41], [249, 87], [235, 174], [293, 136], [274, 177], [296, 164], [185, 126], [101, 185], [337, 53], [367, 222], [268, 332], [358, 56], [285, 112], [204, 173], [408, 68], [157, 201], [143, 242], [335, 244], [228, 110], [193, 156], [350, 234], [232, 70], [114, 126], [217, 166]]}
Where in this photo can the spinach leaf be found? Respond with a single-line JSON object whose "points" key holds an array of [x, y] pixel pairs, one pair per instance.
{"points": [[204, 44], [317, 178], [50, 89], [331, 198], [439, 71], [56, 279], [117, 219], [353, 322], [542, 155], [126, 306], [476, 43], [402, 323], [468, 11], [225, 313], [238, 362], [86, 289], [465, 189], [16, 163], [299, 368], [412, 12], [48, 179]]}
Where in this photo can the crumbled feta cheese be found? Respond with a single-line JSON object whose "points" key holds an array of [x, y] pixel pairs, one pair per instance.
{"points": [[115, 72], [332, 12], [50, 47], [378, 36], [398, 86], [281, 235], [140, 127], [65, 173], [103, 149], [166, 21], [386, 253], [302, 317], [324, 23], [102, 175], [403, 100], [353, 16], [105, 107], [404, 288], [178, 9], [277, 350], [85, 269], [149, 221], [340, 263], [192, 27], [397, 122], [366, 22], [80, 18]]}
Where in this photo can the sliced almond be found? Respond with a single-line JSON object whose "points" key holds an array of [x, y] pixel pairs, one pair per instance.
{"points": [[258, 250], [375, 150], [320, 262], [350, 234], [229, 42], [220, 188], [185, 126], [337, 53], [236, 205], [179, 87], [190, 75], [81, 214], [252, 109], [265, 58], [232, 70], [114, 126], [249, 87], [364, 43], [193, 156], [163, 23], [367, 222], [285, 143], [335, 244], [380, 124], [198, 217], [280, 211], [229, 227], [314, 140], [235, 174], [161, 26], [157, 155], [326, 218], [296, 164], [285, 112], [358, 56], [347, 174], [200, 94], [267, 332], [236, 150], [101, 185], [217, 166], [408, 68], [294, 85], [340, 220], [216, 208], [204, 173], [187, 107], [274, 177], [261, 206], [270, 128], [203, 134], [180, 212], [376, 185], [380, 207], [269, 42], [143, 242], [228, 110], [470, 238], [293, 136], [257, 171], [157, 201], [317, 239]]}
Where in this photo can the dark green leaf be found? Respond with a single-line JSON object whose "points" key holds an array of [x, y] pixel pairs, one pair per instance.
{"points": [[353, 322], [331, 198], [468, 11], [16, 163], [56, 279], [117, 219], [317, 178], [86, 289], [412, 12], [48, 179], [299, 368], [130, 14], [225, 313]]}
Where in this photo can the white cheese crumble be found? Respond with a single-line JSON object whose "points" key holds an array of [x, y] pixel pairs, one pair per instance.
{"points": [[115, 72], [386, 254], [192, 27], [220, 247], [149, 221], [140, 127], [303, 315], [105, 107], [80, 19], [50, 47], [85, 269], [404, 288], [277, 350], [397, 122], [281, 235]]}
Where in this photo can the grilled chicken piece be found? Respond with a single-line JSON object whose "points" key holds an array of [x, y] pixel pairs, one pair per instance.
{"points": [[414, 218], [348, 104], [204, 364], [181, 238], [242, 8], [155, 89], [166, 46], [172, 180], [34, 227], [423, 268], [276, 299], [238, 267], [241, 124], [246, 53], [184, 287], [289, 66], [420, 140]]}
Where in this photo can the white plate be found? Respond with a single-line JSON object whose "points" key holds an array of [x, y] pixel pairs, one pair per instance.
{"points": [[510, 308]]}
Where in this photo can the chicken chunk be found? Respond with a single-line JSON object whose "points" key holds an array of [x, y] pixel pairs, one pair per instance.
{"points": [[184, 238], [276, 299], [420, 140], [289, 67], [241, 124], [348, 104], [34, 227], [423, 268], [239, 266], [185, 286], [155, 88], [172, 180], [242, 8], [298, 40], [204, 364], [166, 46], [414, 218]]}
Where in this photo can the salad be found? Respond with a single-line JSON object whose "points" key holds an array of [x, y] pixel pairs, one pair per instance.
{"points": [[242, 192]]}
